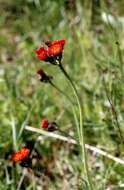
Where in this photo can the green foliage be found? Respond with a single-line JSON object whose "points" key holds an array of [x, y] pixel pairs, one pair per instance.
{"points": [[89, 57]]}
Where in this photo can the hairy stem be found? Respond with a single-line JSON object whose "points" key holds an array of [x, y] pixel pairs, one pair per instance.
{"points": [[80, 129]]}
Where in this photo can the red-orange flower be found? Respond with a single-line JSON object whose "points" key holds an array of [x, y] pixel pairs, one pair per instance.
{"points": [[43, 76], [44, 123], [50, 126], [56, 47], [41, 53], [21, 154], [41, 73], [52, 51]]}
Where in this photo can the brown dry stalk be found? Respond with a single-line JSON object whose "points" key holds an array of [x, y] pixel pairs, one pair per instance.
{"points": [[73, 141]]}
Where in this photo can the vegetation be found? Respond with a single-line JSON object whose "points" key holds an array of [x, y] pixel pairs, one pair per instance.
{"points": [[94, 58]]}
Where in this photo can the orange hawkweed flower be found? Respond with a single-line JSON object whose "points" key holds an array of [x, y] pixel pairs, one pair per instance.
{"points": [[44, 123], [21, 154], [56, 47], [51, 52], [43, 76], [41, 73], [41, 53], [50, 126]]}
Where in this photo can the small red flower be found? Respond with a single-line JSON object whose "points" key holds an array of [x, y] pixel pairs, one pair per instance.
{"points": [[50, 126], [41, 53], [43, 76], [21, 154], [40, 72], [44, 123], [53, 51], [56, 47]]}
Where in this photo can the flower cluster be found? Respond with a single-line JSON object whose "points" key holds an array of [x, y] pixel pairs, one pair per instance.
{"points": [[51, 52]]}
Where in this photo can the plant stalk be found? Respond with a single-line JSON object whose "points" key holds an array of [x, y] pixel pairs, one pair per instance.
{"points": [[71, 103], [81, 129]]}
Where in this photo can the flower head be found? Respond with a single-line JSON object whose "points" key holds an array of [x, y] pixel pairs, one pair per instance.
{"points": [[52, 52], [21, 154], [50, 126], [44, 123], [56, 47], [41, 53], [43, 76]]}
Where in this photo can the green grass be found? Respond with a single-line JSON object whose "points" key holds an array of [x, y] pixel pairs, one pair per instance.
{"points": [[89, 57]]}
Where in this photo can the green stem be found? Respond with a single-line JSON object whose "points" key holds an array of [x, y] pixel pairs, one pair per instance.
{"points": [[70, 101], [81, 129], [120, 58], [114, 112], [62, 92]]}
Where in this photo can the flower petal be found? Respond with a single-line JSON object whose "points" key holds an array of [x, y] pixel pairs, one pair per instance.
{"points": [[62, 42], [56, 47], [41, 53], [44, 123], [55, 50], [21, 154]]}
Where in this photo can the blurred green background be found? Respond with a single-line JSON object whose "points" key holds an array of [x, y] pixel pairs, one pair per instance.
{"points": [[93, 58]]}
